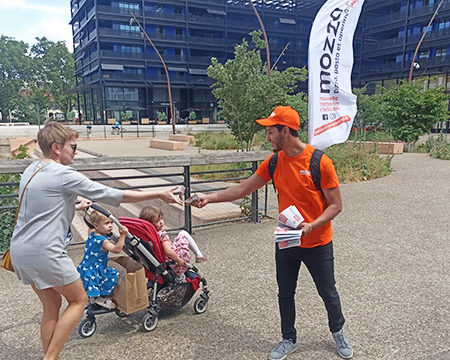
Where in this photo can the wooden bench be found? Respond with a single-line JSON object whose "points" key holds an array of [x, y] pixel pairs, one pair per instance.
{"points": [[111, 121], [145, 121], [166, 144], [181, 137], [205, 120]]}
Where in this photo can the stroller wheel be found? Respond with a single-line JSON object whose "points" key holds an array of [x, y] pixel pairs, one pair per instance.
{"points": [[200, 305], [87, 327], [149, 322]]}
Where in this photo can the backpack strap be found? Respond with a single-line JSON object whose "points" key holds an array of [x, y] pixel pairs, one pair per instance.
{"points": [[272, 166], [314, 168]]}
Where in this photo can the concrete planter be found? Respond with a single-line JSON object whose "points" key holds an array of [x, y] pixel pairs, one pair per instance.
{"points": [[393, 148]]}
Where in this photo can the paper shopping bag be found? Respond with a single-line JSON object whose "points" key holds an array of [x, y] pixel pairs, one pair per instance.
{"points": [[130, 294]]}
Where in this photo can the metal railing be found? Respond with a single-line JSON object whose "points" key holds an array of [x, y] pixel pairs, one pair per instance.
{"points": [[152, 168]]}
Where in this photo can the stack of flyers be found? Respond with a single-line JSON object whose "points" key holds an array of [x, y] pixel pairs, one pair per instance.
{"points": [[286, 237], [290, 217]]}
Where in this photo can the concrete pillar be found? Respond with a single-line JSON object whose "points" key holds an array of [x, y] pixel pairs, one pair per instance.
{"points": [[5, 150]]}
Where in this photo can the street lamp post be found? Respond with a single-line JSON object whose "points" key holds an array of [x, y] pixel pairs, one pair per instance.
{"points": [[263, 29], [134, 19], [413, 62]]}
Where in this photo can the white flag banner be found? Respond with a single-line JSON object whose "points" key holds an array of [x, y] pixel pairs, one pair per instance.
{"points": [[331, 103]]}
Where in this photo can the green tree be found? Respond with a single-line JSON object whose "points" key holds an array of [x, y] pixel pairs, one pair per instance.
{"points": [[54, 71], [409, 111], [245, 92], [15, 72], [370, 109]]}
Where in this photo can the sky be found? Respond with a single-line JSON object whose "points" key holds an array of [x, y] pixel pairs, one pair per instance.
{"points": [[27, 19]]}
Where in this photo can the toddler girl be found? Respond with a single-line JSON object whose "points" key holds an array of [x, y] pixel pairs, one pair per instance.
{"points": [[98, 279], [178, 250]]}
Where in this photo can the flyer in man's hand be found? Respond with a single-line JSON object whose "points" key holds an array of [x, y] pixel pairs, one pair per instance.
{"points": [[286, 233], [290, 217]]}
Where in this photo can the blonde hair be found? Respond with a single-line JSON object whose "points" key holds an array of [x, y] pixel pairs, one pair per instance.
{"points": [[54, 133], [95, 217], [151, 214]]}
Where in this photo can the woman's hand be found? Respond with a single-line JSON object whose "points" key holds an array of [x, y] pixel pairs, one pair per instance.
{"points": [[170, 197], [83, 204]]}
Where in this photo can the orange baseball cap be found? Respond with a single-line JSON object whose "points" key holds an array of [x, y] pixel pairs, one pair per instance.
{"points": [[282, 115]]}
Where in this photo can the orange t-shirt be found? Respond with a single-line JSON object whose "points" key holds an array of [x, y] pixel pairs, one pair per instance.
{"points": [[295, 186]]}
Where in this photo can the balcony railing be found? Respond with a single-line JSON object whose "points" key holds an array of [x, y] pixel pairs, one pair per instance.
{"points": [[434, 61], [120, 33], [382, 68], [388, 18], [174, 78], [122, 55], [431, 35], [123, 76], [207, 40], [166, 37], [216, 20], [164, 15], [204, 60], [428, 10], [384, 44], [117, 10], [167, 58]]}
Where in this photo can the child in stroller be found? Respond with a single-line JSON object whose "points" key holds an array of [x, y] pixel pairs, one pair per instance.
{"points": [[99, 279], [143, 245], [178, 249]]}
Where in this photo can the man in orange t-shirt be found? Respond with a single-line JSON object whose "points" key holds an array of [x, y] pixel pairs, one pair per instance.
{"points": [[295, 186]]}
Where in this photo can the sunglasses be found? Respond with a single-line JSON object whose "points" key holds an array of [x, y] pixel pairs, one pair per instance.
{"points": [[74, 147]]}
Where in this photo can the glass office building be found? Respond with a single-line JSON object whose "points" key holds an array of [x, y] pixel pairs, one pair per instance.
{"points": [[118, 73], [117, 70], [391, 33]]}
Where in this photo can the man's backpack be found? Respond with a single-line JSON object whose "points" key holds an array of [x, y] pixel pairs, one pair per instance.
{"points": [[314, 168]]}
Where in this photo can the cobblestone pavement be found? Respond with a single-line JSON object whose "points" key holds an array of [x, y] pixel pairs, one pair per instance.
{"points": [[392, 272]]}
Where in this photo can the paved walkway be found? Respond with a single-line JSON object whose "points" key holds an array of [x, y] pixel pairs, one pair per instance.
{"points": [[392, 271]]}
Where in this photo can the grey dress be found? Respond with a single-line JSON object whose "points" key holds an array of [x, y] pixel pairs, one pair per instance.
{"points": [[42, 234]]}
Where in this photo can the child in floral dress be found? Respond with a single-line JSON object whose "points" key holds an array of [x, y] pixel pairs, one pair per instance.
{"points": [[98, 279], [178, 249]]}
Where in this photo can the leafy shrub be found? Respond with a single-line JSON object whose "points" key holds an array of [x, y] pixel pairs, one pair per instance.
{"points": [[216, 141], [7, 216], [438, 147], [232, 173], [355, 163]]}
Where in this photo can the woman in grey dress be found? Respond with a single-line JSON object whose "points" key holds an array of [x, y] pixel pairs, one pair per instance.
{"points": [[42, 234]]}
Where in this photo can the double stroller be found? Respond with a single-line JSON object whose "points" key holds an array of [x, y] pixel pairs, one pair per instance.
{"points": [[165, 291]]}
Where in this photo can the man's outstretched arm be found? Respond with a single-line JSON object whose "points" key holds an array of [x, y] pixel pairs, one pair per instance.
{"points": [[235, 192]]}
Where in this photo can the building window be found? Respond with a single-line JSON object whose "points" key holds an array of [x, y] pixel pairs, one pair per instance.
{"points": [[128, 6], [131, 94], [126, 27], [441, 52], [424, 54], [114, 93]]}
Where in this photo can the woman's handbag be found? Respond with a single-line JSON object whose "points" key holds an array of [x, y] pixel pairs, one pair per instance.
{"points": [[6, 259]]}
